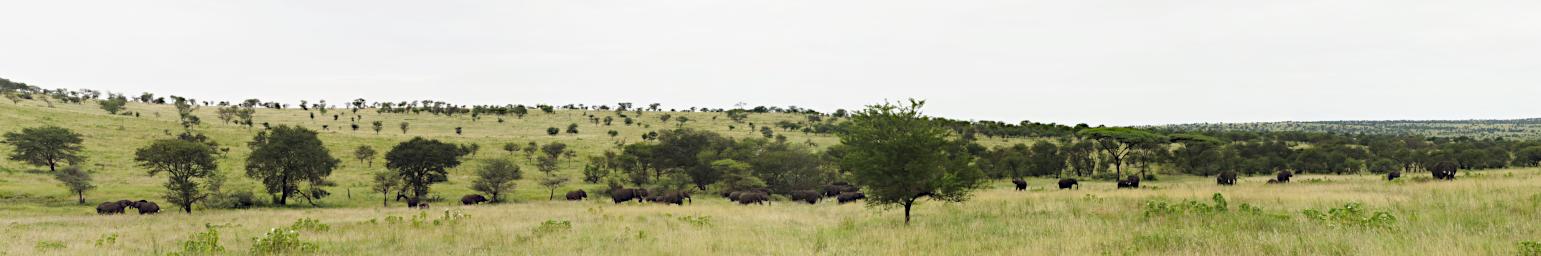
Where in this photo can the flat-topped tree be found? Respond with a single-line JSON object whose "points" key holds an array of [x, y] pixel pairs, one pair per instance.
{"points": [[421, 162], [899, 156], [45, 146], [1200, 154], [1119, 142]]}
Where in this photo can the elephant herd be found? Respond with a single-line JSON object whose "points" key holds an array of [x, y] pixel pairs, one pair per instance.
{"points": [[121, 206], [1440, 171]]}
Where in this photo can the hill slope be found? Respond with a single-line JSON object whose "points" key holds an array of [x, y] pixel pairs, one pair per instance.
{"points": [[1525, 129]]}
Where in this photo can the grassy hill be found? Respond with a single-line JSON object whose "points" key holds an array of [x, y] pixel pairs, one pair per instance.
{"points": [[1524, 129]]}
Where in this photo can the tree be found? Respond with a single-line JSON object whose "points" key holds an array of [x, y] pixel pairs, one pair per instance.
{"points": [[548, 165], [114, 103], [45, 146], [77, 181], [1117, 143], [553, 150], [404, 127], [184, 162], [421, 162], [496, 177], [286, 156], [572, 128], [1045, 159], [377, 125], [365, 153], [900, 156], [385, 182], [511, 147], [553, 131]]}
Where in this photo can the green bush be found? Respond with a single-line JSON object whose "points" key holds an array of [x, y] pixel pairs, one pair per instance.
{"points": [[107, 240], [281, 241], [308, 224], [1351, 215], [1530, 248], [202, 243], [1163, 208], [552, 226]]}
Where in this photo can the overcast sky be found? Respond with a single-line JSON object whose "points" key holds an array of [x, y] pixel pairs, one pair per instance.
{"points": [[1068, 61]]}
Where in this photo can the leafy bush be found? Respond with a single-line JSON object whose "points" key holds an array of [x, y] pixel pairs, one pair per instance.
{"points": [[202, 243], [1351, 215], [699, 221], [107, 240], [308, 224], [281, 241], [552, 226], [1163, 208], [1530, 248]]}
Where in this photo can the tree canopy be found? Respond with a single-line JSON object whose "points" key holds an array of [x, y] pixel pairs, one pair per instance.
{"points": [[900, 156], [45, 146], [286, 156]]}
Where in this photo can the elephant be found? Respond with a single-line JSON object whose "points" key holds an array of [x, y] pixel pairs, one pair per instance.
{"points": [[115, 207], [146, 207], [1131, 182], [848, 197], [1021, 184], [755, 197], [1068, 183], [577, 195], [1226, 178], [806, 196], [472, 199]]}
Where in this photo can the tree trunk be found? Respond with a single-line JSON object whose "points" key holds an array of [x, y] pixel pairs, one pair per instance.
{"points": [[552, 196], [385, 199], [907, 205], [51, 165], [81, 195]]}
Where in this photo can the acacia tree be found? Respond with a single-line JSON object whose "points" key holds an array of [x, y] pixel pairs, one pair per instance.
{"points": [[421, 162], [77, 181], [284, 157], [365, 153], [900, 156], [1118, 142], [114, 103], [404, 127], [548, 165], [184, 162], [496, 177], [377, 126], [385, 182], [45, 146]]}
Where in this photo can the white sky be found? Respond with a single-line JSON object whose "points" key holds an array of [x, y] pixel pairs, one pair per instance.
{"points": [[1069, 61]]}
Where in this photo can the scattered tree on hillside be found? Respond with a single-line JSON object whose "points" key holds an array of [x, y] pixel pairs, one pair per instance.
{"points": [[404, 127], [572, 128], [553, 131], [365, 153], [77, 181], [45, 146], [184, 162], [286, 156], [114, 103], [385, 182], [548, 166], [495, 177], [900, 156], [511, 148], [377, 126], [421, 162]]}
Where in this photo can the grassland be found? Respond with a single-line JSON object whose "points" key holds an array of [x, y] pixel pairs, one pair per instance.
{"points": [[1481, 213]]}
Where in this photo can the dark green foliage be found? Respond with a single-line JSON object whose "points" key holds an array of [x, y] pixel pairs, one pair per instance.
{"points": [[286, 156], [76, 180], [45, 146], [421, 162], [900, 156], [496, 177], [184, 163], [114, 103]]}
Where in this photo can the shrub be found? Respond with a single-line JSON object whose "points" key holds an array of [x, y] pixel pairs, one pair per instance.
{"points": [[1530, 248], [552, 226], [1351, 215], [281, 241], [308, 224], [1163, 208], [107, 240], [202, 243]]}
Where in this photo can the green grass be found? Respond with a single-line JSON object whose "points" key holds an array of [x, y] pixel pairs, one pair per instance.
{"points": [[1481, 213]]}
